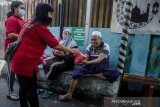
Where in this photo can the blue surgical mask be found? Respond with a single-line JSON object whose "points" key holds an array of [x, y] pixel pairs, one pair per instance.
{"points": [[21, 13]]}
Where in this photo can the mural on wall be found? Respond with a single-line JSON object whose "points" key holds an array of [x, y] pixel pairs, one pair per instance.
{"points": [[145, 17], [153, 69]]}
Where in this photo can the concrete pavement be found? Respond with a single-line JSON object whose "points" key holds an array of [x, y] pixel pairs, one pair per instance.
{"points": [[51, 102]]}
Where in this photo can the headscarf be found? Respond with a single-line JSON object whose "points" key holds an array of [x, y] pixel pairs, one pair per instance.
{"points": [[67, 40]]}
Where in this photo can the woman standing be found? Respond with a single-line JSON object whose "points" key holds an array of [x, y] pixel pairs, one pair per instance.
{"points": [[26, 58], [13, 25]]}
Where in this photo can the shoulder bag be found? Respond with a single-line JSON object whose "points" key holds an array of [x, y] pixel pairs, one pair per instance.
{"points": [[11, 48]]}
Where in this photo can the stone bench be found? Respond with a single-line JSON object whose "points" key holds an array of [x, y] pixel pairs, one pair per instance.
{"points": [[87, 87], [92, 87]]}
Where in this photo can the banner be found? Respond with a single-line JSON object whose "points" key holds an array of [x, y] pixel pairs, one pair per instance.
{"points": [[145, 17], [78, 35]]}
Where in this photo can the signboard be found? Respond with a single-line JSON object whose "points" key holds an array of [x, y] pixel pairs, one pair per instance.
{"points": [[78, 35]]}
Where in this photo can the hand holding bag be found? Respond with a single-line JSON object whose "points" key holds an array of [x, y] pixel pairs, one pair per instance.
{"points": [[11, 48]]}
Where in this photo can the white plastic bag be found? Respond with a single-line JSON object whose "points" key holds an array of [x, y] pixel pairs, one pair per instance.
{"points": [[2, 65]]}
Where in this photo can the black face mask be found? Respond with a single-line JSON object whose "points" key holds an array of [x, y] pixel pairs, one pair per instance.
{"points": [[48, 21]]}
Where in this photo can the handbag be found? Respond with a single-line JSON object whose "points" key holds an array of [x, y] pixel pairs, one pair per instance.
{"points": [[11, 48]]}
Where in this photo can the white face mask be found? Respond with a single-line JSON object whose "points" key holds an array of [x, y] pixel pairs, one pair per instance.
{"points": [[66, 37], [21, 13]]}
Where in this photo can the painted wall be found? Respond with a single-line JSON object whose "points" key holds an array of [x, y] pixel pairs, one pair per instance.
{"points": [[153, 65], [111, 38], [142, 58], [137, 51]]}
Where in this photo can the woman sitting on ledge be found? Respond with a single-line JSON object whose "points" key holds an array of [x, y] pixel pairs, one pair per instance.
{"points": [[61, 61]]}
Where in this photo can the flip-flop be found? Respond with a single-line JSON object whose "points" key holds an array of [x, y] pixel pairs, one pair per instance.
{"points": [[13, 96], [50, 92], [40, 90], [46, 94]]}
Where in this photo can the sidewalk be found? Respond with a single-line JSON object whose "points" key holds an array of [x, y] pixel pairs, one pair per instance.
{"points": [[51, 102]]}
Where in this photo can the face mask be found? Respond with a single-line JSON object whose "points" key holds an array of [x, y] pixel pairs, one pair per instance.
{"points": [[49, 20], [21, 13], [66, 37]]}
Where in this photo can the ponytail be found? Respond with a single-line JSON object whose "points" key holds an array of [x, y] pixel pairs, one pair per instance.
{"points": [[10, 13]]}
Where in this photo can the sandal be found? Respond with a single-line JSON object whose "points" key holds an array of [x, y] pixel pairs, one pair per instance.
{"points": [[13, 96], [40, 90], [50, 92], [46, 94]]}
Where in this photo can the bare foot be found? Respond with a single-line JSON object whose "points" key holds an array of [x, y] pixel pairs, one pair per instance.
{"points": [[100, 76], [65, 97]]}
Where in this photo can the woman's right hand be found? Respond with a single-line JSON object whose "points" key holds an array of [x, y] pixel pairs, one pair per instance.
{"points": [[58, 53], [74, 50], [13, 36], [43, 62]]}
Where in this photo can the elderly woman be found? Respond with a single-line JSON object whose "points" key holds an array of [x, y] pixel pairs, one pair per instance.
{"points": [[67, 41], [61, 57]]}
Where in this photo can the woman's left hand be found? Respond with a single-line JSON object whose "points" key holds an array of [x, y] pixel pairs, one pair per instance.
{"points": [[43, 62]]}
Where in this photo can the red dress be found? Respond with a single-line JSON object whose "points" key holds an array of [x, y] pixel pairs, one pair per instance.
{"points": [[27, 55]]}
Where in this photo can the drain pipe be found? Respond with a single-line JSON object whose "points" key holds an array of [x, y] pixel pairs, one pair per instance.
{"points": [[61, 16], [87, 23]]}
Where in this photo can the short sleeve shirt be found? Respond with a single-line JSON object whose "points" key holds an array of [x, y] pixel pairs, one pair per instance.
{"points": [[92, 52], [13, 25], [31, 48]]}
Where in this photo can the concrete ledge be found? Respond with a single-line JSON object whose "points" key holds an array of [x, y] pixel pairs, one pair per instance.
{"points": [[88, 87]]}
